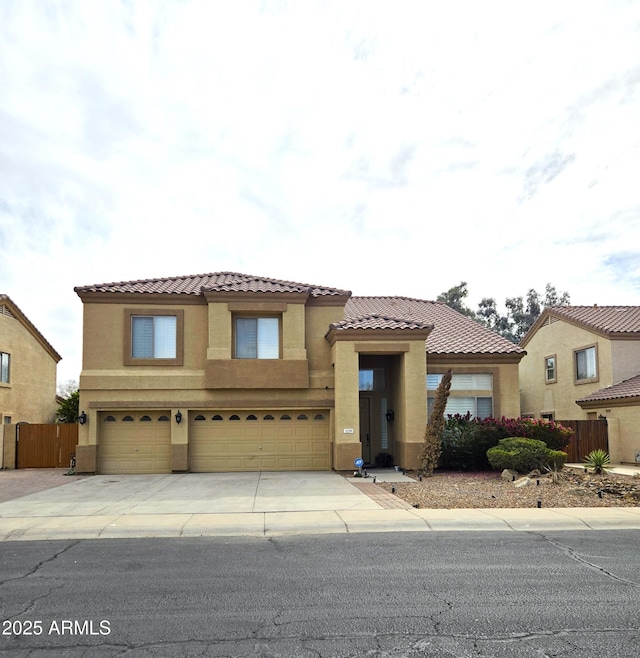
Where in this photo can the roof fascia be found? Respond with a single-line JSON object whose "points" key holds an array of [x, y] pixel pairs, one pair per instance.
{"points": [[252, 295], [31, 328], [476, 357], [391, 335], [164, 298]]}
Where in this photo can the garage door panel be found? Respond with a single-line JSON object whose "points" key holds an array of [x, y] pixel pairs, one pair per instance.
{"points": [[134, 446], [268, 440]]}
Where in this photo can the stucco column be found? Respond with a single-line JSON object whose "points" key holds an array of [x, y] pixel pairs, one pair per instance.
{"points": [[179, 441], [411, 423], [347, 445], [87, 448]]}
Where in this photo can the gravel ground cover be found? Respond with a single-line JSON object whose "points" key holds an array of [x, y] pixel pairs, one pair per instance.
{"points": [[455, 490]]}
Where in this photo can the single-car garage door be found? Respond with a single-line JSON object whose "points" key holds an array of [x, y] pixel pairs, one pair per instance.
{"points": [[259, 441], [135, 442]]}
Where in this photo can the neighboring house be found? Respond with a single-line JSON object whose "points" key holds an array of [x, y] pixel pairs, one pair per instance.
{"points": [[583, 363], [231, 372], [27, 372]]}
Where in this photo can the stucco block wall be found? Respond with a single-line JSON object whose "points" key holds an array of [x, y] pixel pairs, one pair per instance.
{"points": [[561, 339], [30, 395], [505, 376]]}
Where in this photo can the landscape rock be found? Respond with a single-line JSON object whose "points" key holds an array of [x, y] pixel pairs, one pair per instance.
{"points": [[509, 474], [522, 482]]}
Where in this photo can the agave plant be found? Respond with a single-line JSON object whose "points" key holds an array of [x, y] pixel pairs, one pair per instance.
{"points": [[598, 460]]}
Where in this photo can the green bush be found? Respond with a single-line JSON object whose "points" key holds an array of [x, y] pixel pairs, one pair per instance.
{"points": [[465, 440], [524, 455], [464, 445]]}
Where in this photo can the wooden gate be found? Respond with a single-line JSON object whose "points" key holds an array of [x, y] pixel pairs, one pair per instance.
{"points": [[588, 435], [46, 446]]}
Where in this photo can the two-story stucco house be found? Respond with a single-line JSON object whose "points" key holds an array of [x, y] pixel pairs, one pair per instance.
{"points": [[583, 362], [28, 365], [232, 372]]}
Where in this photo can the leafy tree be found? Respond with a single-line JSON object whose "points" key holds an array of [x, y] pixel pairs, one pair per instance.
{"points": [[68, 409], [454, 298], [432, 447], [521, 312]]}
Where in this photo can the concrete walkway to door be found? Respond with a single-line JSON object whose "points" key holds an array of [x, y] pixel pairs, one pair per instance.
{"points": [[258, 505]]}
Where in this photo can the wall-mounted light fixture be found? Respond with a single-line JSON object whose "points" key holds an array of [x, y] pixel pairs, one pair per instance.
{"points": [[178, 418], [82, 418], [390, 416]]}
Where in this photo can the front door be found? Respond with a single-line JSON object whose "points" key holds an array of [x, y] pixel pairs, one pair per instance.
{"points": [[365, 429]]}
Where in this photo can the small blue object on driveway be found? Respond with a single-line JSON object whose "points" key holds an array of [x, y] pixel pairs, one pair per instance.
{"points": [[359, 462]]}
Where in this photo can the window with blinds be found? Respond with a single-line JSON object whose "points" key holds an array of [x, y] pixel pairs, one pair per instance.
{"points": [[463, 382], [257, 338], [153, 336], [5, 360]]}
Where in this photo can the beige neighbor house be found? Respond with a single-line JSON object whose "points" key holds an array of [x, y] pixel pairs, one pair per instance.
{"points": [[28, 366], [583, 362], [231, 372]]}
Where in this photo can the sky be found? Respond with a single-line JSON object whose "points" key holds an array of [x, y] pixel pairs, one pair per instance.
{"points": [[387, 148]]}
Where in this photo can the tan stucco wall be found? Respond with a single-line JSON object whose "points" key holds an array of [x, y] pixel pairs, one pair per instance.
{"points": [[505, 393], [30, 395], [625, 359], [623, 425], [303, 378], [560, 338]]}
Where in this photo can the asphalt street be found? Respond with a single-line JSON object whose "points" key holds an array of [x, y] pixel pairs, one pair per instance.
{"points": [[564, 593]]}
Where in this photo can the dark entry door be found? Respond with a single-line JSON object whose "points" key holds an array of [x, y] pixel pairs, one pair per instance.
{"points": [[365, 429]]}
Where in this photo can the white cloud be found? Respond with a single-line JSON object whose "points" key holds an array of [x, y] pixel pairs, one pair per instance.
{"points": [[391, 148]]}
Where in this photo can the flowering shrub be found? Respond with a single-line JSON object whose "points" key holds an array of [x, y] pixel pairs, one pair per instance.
{"points": [[465, 440]]}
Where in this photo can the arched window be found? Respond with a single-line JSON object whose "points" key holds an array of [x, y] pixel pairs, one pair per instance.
{"points": [[217, 417], [234, 417], [303, 417], [252, 417], [318, 417], [268, 417], [145, 419], [285, 417], [163, 418], [127, 419], [199, 417], [109, 419]]}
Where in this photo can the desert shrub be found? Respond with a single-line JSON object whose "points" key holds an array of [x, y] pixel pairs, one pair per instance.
{"points": [[598, 460], [523, 455]]}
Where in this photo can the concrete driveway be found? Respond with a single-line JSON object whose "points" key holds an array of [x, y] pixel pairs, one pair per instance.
{"points": [[191, 493]]}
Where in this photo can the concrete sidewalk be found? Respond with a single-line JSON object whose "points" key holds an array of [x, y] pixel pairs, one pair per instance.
{"points": [[261, 505]]}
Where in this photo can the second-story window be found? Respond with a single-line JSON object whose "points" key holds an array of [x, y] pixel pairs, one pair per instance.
{"points": [[550, 369], [586, 364], [153, 336], [4, 367], [257, 338]]}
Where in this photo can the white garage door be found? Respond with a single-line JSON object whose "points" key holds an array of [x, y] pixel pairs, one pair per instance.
{"points": [[135, 442], [260, 441]]}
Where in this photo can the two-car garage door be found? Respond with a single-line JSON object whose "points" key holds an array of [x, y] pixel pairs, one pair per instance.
{"points": [[260, 441], [285, 440]]}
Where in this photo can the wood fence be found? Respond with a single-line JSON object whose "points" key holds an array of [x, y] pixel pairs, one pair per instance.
{"points": [[46, 446], [588, 435]]}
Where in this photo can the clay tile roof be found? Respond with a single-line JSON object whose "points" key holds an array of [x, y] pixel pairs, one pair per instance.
{"points": [[453, 333], [629, 388], [379, 322], [605, 319], [218, 281]]}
